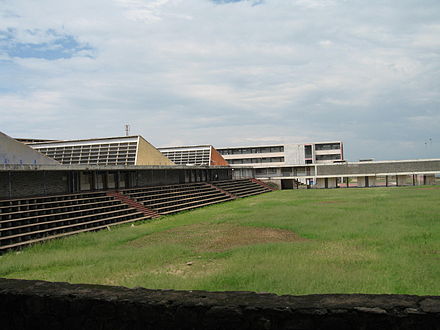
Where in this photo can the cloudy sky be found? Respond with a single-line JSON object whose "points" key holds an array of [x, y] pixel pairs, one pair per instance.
{"points": [[226, 72]]}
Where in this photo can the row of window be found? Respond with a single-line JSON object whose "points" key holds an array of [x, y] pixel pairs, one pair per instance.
{"points": [[256, 150], [328, 157], [85, 152], [256, 160], [297, 171], [328, 146], [115, 146], [196, 157], [105, 162]]}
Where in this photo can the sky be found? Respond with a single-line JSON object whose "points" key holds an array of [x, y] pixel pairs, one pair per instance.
{"points": [[226, 72]]}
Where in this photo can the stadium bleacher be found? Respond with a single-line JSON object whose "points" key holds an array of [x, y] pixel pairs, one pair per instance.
{"points": [[36, 219]]}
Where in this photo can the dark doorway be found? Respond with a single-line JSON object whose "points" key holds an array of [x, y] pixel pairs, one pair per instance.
{"points": [[287, 184]]}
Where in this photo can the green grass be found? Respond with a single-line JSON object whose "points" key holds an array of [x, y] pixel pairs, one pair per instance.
{"points": [[378, 240]]}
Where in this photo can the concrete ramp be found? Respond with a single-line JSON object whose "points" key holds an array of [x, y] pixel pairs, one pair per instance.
{"points": [[14, 152]]}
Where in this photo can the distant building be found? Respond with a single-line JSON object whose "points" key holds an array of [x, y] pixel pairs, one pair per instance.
{"points": [[127, 150], [285, 154], [203, 155], [283, 161]]}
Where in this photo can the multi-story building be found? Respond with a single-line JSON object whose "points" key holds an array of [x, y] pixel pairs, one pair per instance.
{"points": [[203, 155], [284, 164], [284, 154]]}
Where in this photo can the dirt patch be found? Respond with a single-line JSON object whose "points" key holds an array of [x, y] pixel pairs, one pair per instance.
{"points": [[217, 237], [329, 202], [197, 269], [429, 188]]}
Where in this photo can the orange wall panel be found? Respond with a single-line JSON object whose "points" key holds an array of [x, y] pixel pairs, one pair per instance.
{"points": [[217, 159]]}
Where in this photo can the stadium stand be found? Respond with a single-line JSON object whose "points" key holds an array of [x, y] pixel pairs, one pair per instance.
{"points": [[243, 188], [26, 221], [175, 198], [36, 219]]}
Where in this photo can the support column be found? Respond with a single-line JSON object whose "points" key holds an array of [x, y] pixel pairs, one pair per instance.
{"points": [[361, 181], [320, 183], [429, 179], [332, 183], [401, 180]]}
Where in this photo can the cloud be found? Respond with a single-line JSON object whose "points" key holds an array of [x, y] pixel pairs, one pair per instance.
{"points": [[224, 72]]}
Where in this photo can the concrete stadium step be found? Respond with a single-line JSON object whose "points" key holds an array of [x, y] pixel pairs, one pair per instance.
{"points": [[241, 188], [35, 228], [170, 199], [57, 210], [167, 199], [194, 204], [45, 199], [50, 204], [263, 184], [184, 200], [64, 215], [130, 202], [36, 219], [93, 228], [223, 191], [159, 189], [147, 197]]}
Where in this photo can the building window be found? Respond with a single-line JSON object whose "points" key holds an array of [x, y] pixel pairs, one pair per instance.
{"points": [[328, 157], [328, 146]]}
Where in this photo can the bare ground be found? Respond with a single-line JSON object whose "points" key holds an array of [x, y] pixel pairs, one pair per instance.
{"points": [[217, 237]]}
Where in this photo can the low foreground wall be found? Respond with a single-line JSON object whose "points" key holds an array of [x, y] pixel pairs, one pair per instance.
{"points": [[38, 305]]}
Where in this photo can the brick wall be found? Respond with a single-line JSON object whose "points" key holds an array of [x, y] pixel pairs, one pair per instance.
{"points": [[32, 183]]}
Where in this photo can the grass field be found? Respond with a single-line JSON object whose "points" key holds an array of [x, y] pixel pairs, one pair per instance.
{"points": [[372, 240]]}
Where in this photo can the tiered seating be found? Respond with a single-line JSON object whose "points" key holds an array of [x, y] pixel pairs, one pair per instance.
{"points": [[242, 188], [26, 221], [30, 220], [175, 198]]}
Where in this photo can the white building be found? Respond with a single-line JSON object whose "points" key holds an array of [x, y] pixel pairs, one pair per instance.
{"points": [[284, 154], [290, 164]]}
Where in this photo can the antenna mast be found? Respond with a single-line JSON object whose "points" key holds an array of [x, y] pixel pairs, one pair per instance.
{"points": [[127, 130]]}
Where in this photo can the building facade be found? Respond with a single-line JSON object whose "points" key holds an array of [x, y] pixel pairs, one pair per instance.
{"points": [[290, 164], [203, 155], [284, 154], [127, 150]]}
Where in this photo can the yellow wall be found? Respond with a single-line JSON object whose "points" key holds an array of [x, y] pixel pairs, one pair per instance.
{"points": [[149, 155]]}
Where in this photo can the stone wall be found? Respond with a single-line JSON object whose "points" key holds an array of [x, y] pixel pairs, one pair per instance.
{"points": [[46, 305], [32, 183], [26, 183]]}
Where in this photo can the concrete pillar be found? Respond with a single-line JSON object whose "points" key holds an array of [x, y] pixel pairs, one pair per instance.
{"points": [[366, 181], [429, 179], [326, 183], [332, 183], [320, 183], [401, 180], [361, 181]]}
